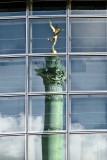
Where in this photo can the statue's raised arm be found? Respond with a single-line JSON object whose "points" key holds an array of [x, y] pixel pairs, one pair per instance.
{"points": [[55, 31]]}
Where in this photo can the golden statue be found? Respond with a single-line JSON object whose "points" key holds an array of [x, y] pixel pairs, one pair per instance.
{"points": [[55, 31]]}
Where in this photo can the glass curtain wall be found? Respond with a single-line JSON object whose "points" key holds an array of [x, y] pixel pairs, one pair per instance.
{"points": [[53, 74], [87, 81]]}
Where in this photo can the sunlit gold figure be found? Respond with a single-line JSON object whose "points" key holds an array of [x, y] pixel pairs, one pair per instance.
{"points": [[55, 31]]}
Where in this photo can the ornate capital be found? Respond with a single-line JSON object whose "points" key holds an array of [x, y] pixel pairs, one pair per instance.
{"points": [[53, 73]]}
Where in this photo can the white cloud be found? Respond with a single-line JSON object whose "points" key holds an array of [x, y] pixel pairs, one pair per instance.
{"points": [[36, 123], [77, 126], [9, 123], [88, 146], [35, 148], [12, 147]]}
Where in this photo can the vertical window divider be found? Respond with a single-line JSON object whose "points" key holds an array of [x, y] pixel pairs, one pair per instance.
{"points": [[26, 81], [67, 83]]}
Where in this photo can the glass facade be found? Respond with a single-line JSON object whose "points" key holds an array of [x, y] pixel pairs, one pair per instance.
{"points": [[53, 80]]}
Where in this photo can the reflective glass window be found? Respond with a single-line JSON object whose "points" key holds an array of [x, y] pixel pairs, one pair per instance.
{"points": [[12, 36], [88, 73], [12, 113], [12, 7], [41, 32], [88, 35], [12, 75], [41, 7], [88, 146], [12, 148], [88, 112], [47, 147], [47, 74], [47, 112], [92, 7]]}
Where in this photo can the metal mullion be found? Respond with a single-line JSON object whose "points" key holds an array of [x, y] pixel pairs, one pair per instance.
{"points": [[12, 134], [12, 94], [67, 47], [47, 132], [46, 16], [12, 55], [68, 82], [88, 53], [67, 98], [87, 92], [27, 50], [12, 17], [68, 111], [67, 87], [26, 83], [45, 55], [67, 125], [45, 93], [87, 131], [68, 31], [87, 16]]}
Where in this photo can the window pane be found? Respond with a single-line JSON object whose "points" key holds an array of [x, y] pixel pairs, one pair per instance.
{"points": [[46, 147], [47, 112], [12, 36], [12, 148], [41, 7], [47, 74], [40, 32], [12, 114], [12, 75], [88, 35], [88, 7], [88, 146], [12, 8], [88, 73], [88, 112]]}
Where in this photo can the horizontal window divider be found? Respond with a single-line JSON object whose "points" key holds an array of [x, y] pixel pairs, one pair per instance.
{"points": [[52, 16], [12, 55], [87, 16], [12, 94], [46, 93], [12, 134], [12, 17], [87, 92], [47, 132], [46, 16], [46, 55], [87, 131], [89, 53]]}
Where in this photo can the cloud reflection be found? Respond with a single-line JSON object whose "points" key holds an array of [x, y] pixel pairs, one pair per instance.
{"points": [[12, 123], [88, 146], [12, 147]]}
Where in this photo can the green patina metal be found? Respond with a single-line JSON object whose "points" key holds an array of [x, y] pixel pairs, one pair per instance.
{"points": [[53, 72], [53, 75]]}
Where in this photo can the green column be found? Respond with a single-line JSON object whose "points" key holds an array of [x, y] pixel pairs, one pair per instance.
{"points": [[53, 111], [52, 145], [53, 77]]}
